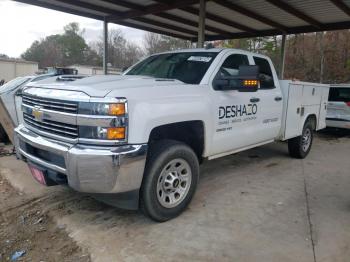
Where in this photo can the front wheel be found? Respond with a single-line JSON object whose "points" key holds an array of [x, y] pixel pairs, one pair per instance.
{"points": [[299, 147], [170, 180]]}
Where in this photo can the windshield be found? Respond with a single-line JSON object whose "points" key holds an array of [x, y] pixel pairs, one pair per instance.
{"points": [[13, 84], [188, 67]]}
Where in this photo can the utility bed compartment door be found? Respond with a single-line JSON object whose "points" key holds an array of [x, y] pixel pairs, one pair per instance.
{"points": [[323, 109], [311, 95], [302, 99], [292, 118]]}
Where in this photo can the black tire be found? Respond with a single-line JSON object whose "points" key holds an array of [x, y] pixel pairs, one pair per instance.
{"points": [[297, 146], [160, 157]]}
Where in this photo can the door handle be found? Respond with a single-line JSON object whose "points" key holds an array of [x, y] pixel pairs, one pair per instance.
{"points": [[278, 98], [254, 99]]}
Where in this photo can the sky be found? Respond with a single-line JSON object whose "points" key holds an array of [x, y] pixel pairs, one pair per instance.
{"points": [[22, 24]]}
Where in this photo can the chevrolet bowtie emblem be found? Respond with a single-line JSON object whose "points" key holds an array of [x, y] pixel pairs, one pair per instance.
{"points": [[38, 113]]}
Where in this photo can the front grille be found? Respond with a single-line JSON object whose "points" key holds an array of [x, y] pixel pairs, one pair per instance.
{"points": [[51, 104], [53, 127]]}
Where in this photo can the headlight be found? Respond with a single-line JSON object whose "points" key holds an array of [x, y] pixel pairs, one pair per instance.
{"points": [[115, 129], [107, 109], [106, 133]]}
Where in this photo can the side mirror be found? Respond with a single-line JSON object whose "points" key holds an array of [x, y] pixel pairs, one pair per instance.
{"points": [[245, 81]]}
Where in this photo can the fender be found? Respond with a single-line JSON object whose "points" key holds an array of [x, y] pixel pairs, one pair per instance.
{"points": [[306, 118]]}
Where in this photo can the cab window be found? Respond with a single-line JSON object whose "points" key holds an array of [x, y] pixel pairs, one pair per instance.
{"points": [[265, 73], [231, 65]]}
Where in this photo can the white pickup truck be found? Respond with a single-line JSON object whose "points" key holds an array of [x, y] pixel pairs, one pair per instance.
{"points": [[137, 140]]}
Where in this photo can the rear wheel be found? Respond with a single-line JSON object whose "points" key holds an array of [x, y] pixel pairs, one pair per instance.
{"points": [[170, 180], [299, 147]]}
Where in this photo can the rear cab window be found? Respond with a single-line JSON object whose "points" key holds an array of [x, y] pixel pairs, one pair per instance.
{"points": [[265, 73]]}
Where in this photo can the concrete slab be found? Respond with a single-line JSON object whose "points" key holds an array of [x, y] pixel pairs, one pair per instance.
{"points": [[246, 209], [20, 177], [328, 181], [252, 206]]}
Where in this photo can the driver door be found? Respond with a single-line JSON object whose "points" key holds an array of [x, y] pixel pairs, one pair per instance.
{"points": [[235, 114]]}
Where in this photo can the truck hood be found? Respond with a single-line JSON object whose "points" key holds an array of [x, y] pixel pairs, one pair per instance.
{"points": [[101, 86]]}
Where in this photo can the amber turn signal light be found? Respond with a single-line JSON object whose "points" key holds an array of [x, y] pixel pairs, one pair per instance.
{"points": [[116, 109], [250, 82], [114, 133]]}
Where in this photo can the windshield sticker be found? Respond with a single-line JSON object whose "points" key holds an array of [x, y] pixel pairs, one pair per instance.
{"points": [[204, 59]]}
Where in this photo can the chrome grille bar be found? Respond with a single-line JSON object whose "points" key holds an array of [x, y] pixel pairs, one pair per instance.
{"points": [[62, 129], [55, 105]]}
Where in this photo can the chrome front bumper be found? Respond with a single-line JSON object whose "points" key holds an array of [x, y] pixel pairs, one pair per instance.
{"points": [[89, 169]]}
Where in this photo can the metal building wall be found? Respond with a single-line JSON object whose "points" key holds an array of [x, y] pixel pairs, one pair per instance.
{"points": [[10, 69]]}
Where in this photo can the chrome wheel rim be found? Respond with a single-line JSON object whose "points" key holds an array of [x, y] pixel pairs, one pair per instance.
{"points": [[174, 183], [306, 140]]}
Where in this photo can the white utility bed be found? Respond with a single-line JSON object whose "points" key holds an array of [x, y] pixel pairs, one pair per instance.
{"points": [[300, 100]]}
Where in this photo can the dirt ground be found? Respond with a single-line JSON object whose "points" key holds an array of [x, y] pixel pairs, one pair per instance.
{"points": [[258, 205], [27, 225]]}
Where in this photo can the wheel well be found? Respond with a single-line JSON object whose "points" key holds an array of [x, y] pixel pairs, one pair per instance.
{"points": [[313, 120], [188, 132]]}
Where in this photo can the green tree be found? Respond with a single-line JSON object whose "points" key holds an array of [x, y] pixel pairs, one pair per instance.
{"points": [[237, 43], [62, 49], [121, 52]]}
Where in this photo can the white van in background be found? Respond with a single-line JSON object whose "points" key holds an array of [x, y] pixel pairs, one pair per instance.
{"points": [[338, 113]]}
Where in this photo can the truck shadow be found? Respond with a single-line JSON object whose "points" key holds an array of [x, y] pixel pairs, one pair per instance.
{"points": [[271, 154], [333, 133]]}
